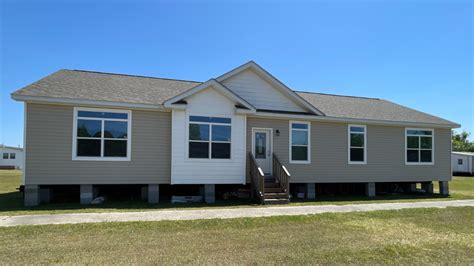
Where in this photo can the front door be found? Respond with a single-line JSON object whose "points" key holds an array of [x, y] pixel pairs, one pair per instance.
{"points": [[262, 149]]}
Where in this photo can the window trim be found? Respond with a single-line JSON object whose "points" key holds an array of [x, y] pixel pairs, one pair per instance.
{"points": [[432, 146], [3, 156], [349, 144], [291, 161], [14, 155], [210, 141], [102, 158]]}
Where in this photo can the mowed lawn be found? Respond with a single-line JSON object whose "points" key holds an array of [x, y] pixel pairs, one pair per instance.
{"points": [[411, 236], [11, 202]]}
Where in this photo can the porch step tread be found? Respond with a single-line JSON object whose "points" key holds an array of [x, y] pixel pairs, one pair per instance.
{"points": [[276, 193], [281, 196], [276, 201], [272, 185], [273, 190]]}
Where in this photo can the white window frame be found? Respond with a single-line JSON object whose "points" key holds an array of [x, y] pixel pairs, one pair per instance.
{"points": [[8, 155], [419, 149], [209, 158], [309, 142], [349, 132], [102, 158]]}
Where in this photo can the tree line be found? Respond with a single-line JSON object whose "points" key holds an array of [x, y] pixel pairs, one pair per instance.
{"points": [[461, 141]]}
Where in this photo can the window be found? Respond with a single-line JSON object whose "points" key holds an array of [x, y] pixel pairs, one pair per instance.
{"points": [[357, 140], [209, 137], [419, 146], [5, 155], [101, 134], [299, 142], [260, 145], [12, 155], [460, 162]]}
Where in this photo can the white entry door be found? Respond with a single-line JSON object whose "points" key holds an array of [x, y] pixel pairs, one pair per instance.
{"points": [[262, 148]]}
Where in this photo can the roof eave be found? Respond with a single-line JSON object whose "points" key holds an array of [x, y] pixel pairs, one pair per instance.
{"points": [[71, 101], [357, 120]]}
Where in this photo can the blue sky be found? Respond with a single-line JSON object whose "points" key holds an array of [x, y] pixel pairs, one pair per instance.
{"points": [[416, 53]]}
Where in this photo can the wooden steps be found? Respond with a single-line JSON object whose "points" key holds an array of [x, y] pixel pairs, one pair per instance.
{"points": [[269, 188], [274, 194]]}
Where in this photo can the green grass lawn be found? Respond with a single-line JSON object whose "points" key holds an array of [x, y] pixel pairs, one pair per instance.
{"points": [[411, 236], [11, 202]]}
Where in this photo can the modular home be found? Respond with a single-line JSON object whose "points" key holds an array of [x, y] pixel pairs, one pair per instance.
{"points": [[244, 127], [12, 157], [462, 162]]}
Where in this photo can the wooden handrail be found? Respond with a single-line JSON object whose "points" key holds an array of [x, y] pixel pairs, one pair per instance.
{"points": [[281, 174], [286, 171], [260, 171], [257, 178]]}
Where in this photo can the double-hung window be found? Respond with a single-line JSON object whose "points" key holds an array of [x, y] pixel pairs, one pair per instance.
{"points": [[209, 137], [419, 146], [300, 142], [101, 134], [357, 140], [5, 155], [12, 155]]}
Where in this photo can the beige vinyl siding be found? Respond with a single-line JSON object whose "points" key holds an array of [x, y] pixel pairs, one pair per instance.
{"points": [[49, 150], [385, 154]]}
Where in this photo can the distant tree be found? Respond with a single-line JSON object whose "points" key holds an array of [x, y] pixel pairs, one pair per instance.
{"points": [[461, 141]]}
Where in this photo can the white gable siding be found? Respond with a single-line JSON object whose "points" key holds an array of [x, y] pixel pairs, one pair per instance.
{"points": [[259, 93], [207, 171]]}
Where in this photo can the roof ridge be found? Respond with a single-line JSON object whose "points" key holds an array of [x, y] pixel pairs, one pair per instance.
{"points": [[130, 75], [339, 95], [193, 81]]}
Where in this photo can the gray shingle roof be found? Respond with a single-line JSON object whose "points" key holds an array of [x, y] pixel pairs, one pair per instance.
{"points": [[367, 108], [87, 85], [98, 86]]}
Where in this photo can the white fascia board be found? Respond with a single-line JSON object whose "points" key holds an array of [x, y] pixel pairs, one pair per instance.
{"points": [[67, 101], [235, 71], [274, 82], [351, 120], [244, 111]]}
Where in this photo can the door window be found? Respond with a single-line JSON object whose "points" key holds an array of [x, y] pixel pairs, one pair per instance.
{"points": [[260, 145]]}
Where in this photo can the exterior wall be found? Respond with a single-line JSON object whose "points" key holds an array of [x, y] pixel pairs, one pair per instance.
{"points": [[49, 150], [17, 162], [385, 154], [208, 171], [259, 93]]}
